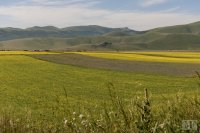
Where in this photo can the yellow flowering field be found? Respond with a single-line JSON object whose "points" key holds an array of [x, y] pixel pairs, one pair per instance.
{"points": [[178, 57]]}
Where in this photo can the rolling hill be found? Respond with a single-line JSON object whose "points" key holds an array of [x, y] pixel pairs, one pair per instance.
{"points": [[193, 28], [180, 37], [50, 31]]}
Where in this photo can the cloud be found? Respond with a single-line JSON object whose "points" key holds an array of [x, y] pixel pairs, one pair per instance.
{"points": [[24, 16], [148, 3], [55, 2], [173, 9]]}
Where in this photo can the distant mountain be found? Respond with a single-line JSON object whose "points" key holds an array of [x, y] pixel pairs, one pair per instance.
{"points": [[45, 28], [50, 31], [180, 37]]}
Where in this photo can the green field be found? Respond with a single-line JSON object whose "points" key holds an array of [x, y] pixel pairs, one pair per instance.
{"points": [[31, 82]]}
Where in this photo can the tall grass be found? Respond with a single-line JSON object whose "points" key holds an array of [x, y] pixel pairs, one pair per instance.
{"points": [[118, 115]]}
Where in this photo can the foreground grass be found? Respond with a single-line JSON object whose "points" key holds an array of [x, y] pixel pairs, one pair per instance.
{"points": [[175, 57], [135, 116]]}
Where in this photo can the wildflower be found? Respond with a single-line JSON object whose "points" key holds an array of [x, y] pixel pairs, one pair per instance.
{"points": [[81, 116], [83, 122], [111, 112], [98, 121], [162, 125], [65, 121], [17, 120], [11, 123]]}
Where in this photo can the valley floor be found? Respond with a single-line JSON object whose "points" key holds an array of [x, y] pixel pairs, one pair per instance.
{"points": [[38, 82]]}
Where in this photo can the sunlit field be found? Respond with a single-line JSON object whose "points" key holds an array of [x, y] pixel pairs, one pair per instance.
{"points": [[47, 92], [28, 79], [176, 57]]}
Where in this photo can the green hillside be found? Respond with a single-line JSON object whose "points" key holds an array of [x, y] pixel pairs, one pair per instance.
{"points": [[190, 28], [176, 42], [50, 31], [182, 37]]}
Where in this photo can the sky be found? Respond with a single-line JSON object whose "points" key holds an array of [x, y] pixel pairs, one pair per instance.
{"points": [[135, 14]]}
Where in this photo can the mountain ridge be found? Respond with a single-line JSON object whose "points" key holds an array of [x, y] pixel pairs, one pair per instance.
{"points": [[91, 37], [10, 33]]}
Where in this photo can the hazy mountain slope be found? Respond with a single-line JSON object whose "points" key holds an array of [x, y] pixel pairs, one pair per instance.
{"points": [[50, 31], [183, 37], [78, 43], [87, 30], [45, 28], [34, 44], [143, 42], [189, 28], [176, 42]]}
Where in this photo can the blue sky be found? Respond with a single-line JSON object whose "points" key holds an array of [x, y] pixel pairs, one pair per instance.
{"points": [[135, 14]]}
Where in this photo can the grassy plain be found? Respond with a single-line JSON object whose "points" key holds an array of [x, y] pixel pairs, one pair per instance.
{"points": [[38, 86], [24, 53]]}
